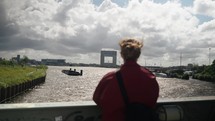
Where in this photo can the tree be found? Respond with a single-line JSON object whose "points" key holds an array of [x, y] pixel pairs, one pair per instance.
{"points": [[207, 73], [24, 60], [6, 62], [213, 64]]}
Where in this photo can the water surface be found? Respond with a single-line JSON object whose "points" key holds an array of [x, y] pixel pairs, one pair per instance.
{"points": [[60, 87]]}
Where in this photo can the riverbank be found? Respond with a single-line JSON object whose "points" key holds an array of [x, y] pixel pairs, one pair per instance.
{"points": [[60, 87], [16, 79], [14, 75]]}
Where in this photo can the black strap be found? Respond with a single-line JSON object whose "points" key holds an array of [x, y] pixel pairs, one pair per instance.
{"points": [[122, 87], [150, 114]]}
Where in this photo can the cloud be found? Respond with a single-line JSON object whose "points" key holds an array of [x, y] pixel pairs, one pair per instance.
{"points": [[79, 29], [204, 7], [7, 27]]}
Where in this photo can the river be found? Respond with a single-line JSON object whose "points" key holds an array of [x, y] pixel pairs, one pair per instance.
{"points": [[60, 87]]}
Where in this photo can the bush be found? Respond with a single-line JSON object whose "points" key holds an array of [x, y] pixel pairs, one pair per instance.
{"points": [[185, 76], [204, 77]]}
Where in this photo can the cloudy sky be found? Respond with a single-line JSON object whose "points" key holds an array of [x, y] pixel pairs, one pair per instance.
{"points": [[77, 30]]}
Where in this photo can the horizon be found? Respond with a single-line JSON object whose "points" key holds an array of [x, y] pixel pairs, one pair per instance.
{"points": [[118, 64]]}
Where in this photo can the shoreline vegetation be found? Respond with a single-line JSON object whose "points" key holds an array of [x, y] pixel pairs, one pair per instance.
{"points": [[18, 77], [19, 71], [203, 73], [206, 73], [17, 74]]}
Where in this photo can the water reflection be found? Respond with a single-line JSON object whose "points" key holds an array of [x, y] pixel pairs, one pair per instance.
{"points": [[60, 87]]}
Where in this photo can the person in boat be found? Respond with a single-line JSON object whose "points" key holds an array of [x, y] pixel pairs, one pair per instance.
{"points": [[140, 84]]}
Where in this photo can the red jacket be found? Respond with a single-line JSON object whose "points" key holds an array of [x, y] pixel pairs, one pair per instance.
{"points": [[140, 84]]}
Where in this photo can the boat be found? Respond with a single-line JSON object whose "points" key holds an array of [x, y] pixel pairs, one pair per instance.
{"points": [[183, 109], [160, 74], [73, 72]]}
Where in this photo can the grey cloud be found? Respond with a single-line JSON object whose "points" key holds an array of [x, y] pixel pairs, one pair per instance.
{"points": [[92, 40], [7, 28], [61, 15], [17, 43]]}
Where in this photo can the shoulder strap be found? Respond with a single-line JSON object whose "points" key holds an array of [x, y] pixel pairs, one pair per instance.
{"points": [[122, 87]]}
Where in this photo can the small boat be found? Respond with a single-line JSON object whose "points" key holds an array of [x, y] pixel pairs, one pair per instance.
{"points": [[73, 72], [160, 75]]}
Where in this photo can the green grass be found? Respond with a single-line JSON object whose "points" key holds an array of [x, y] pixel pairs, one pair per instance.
{"points": [[12, 75]]}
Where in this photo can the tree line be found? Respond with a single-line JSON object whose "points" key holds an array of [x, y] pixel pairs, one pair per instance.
{"points": [[205, 73]]}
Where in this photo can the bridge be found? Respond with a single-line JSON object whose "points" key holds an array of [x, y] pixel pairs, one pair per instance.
{"points": [[183, 109]]}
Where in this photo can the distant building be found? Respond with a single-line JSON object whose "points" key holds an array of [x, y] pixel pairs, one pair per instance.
{"points": [[16, 59], [54, 62], [34, 62], [108, 58]]}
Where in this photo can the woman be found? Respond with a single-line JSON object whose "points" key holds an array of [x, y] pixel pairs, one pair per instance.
{"points": [[140, 84]]}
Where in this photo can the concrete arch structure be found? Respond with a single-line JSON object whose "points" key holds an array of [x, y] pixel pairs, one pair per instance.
{"points": [[111, 54]]}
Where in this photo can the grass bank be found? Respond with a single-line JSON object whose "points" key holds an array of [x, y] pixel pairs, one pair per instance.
{"points": [[13, 75]]}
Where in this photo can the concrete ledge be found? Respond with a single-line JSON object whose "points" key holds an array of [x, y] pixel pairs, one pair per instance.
{"points": [[187, 99], [91, 103], [179, 109]]}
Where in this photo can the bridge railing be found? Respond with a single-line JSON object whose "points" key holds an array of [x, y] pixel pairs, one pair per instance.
{"points": [[184, 109]]}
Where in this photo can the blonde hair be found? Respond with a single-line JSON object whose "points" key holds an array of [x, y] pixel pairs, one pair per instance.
{"points": [[130, 49]]}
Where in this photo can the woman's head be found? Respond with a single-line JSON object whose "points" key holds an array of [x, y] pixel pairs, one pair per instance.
{"points": [[130, 49]]}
